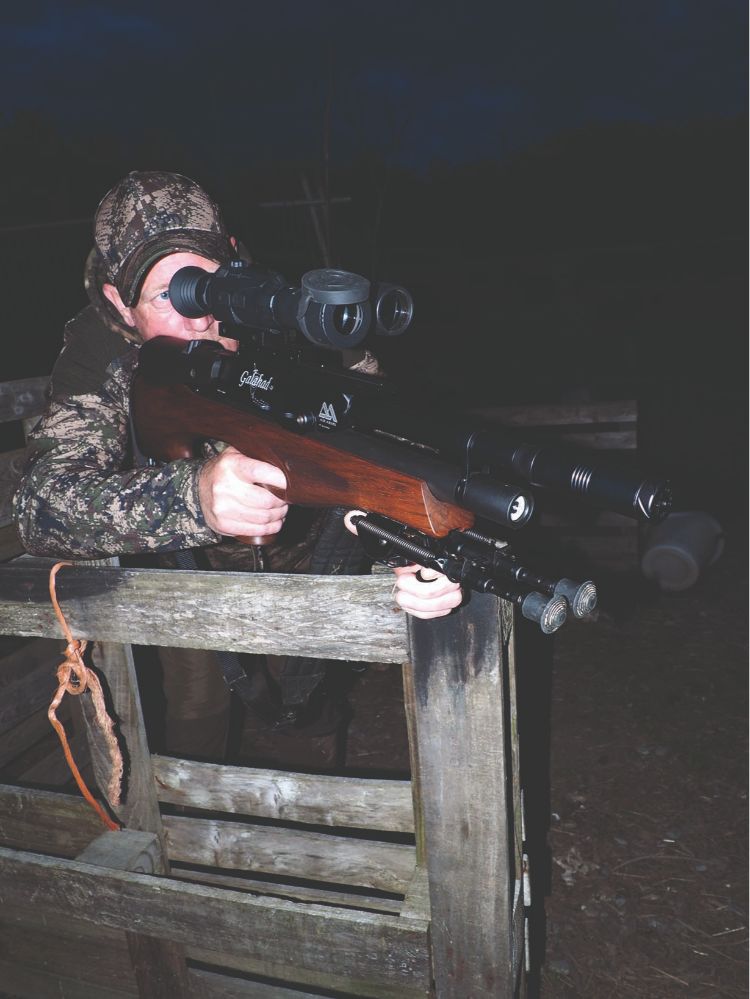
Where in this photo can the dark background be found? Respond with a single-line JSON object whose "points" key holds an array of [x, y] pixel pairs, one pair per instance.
{"points": [[562, 187]]}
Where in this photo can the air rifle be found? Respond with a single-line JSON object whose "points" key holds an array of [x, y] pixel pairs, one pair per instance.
{"points": [[344, 438]]}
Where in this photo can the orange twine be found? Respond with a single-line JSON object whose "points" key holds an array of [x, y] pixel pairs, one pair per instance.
{"points": [[74, 678]]}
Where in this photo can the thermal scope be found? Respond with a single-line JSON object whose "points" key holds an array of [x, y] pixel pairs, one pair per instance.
{"points": [[332, 308]]}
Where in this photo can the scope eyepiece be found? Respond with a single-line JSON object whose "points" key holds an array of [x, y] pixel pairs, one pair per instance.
{"points": [[187, 292]]}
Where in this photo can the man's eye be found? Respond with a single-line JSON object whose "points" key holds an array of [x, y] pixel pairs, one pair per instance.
{"points": [[163, 296]]}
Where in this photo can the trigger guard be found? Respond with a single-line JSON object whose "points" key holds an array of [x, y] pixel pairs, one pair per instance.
{"points": [[396, 562], [380, 554]]}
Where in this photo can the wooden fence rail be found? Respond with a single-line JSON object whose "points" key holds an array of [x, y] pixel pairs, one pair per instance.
{"points": [[440, 916], [238, 882]]}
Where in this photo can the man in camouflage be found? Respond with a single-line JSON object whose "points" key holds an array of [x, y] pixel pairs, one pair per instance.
{"points": [[85, 495]]}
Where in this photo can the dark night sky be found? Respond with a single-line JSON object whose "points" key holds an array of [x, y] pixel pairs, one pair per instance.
{"points": [[417, 81]]}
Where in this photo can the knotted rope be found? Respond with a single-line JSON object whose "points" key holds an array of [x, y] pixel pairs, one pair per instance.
{"points": [[75, 677]]}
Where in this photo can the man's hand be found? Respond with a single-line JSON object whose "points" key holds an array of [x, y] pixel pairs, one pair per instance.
{"points": [[233, 498], [426, 593], [421, 592]]}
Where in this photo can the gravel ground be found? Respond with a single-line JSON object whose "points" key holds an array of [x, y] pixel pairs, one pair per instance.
{"points": [[635, 774], [647, 838]]}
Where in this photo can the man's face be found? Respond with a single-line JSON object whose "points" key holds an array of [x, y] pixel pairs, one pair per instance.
{"points": [[154, 315]]}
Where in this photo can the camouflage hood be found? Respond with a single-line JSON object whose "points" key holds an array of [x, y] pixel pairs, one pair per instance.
{"points": [[145, 216], [94, 276]]}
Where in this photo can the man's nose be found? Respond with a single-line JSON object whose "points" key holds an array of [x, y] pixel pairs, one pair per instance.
{"points": [[198, 325]]}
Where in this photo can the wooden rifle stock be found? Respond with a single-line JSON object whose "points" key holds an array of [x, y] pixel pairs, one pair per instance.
{"points": [[171, 421]]}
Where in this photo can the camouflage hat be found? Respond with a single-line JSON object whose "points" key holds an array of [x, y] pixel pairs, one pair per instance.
{"points": [[148, 215]]}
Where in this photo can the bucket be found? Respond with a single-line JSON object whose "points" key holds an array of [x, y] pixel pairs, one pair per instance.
{"points": [[678, 548]]}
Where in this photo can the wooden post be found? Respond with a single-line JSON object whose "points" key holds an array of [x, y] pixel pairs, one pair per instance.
{"points": [[140, 808], [458, 699], [159, 965]]}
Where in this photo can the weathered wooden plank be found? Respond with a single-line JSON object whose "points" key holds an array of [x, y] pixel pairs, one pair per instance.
{"points": [[607, 437], [26, 695], [458, 664], [27, 981], [357, 952], [24, 735], [53, 947], [27, 656], [52, 769], [360, 803], [125, 850], [46, 821], [139, 808], [30, 983], [22, 398], [517, 840], [556, 414], [159, 965], [417, 898], [600, 425], [51, 822], [406, 988], [23, 709], [301, 893], [216, 986], [290, 853], [338, 617], [43, 961], [58, 955], [160, 968]]}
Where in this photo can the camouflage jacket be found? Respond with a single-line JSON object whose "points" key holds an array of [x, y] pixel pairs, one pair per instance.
{"points": [[79, 494]]}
